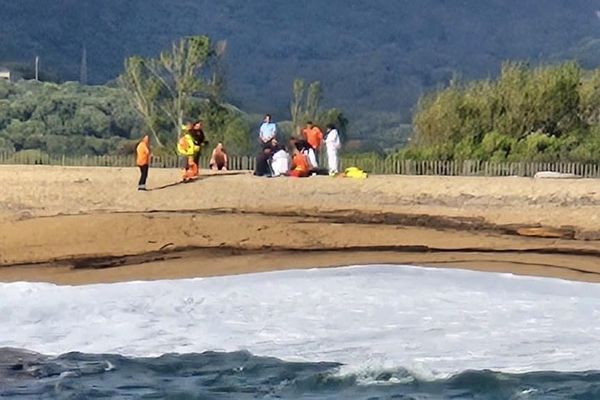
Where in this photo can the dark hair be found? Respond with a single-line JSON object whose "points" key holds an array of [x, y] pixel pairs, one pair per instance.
{"points": [[330, 126], [302, 145], [309, 123], [268, 115]]}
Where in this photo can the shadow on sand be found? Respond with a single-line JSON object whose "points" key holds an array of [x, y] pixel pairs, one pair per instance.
{"points": [[201, 178]]}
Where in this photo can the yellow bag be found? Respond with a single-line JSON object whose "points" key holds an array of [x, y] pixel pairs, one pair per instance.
{"points": [[354, 172]]}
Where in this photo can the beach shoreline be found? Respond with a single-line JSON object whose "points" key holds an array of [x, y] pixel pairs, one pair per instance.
{"points": [[89, 225]]}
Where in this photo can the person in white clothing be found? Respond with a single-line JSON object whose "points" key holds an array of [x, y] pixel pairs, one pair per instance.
{"points": [[333, 144], [310, 154], [280, 162]]}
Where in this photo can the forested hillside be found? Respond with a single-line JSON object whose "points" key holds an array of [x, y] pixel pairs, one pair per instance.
{"points": [[371, 56]]}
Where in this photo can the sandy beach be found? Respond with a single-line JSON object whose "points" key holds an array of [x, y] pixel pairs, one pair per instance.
{"points": [[85, 225]]}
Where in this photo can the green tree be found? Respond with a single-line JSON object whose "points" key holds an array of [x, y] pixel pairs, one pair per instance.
{"points": [[541, 113], [162, 90], [306, 106], [50, 117], [227, 125], [305, 103], [142, 89]]}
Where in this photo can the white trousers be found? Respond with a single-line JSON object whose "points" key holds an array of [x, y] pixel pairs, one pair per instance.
{"points": [[332, 160]]}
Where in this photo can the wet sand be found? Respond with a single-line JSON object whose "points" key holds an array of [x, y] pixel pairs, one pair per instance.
{"points": [[88, 225]]}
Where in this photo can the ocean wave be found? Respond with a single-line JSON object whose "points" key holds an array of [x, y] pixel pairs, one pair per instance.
{"points": [[434, 322], [241, 375]]}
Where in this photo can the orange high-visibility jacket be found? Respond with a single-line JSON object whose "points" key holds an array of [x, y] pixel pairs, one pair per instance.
{"points": [[186, 145], [143, 152], [300, 163], [314, 137]]}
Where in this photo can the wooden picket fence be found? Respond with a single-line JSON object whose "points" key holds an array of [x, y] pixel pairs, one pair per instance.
{"points": [[25, 158], [471, 167], [372, 165]]}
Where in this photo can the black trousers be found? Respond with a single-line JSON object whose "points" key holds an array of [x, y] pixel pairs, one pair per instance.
{"points": [[143, 174]]}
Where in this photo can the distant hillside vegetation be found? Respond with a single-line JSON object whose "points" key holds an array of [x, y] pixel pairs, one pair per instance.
{"points": [[372, 56]]}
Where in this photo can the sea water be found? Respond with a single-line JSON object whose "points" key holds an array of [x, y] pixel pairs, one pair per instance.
{"points": [[363, 332]]}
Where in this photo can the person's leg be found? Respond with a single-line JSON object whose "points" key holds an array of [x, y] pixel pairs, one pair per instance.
{"points": [[332, 161], [193, 168], [188, 173], [336, 162], [143, 177], [197, 163], [184, 168]]}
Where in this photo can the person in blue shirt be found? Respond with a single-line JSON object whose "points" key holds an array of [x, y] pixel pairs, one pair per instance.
{"points": [[268, 131]]}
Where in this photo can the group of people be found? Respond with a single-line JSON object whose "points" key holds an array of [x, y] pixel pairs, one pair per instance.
{"points": [[189, 147], [300, 157]]}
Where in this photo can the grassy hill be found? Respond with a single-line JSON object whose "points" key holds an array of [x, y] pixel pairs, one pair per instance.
{"points": [[374, 56]]}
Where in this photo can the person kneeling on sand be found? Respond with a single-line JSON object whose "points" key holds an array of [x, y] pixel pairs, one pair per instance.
{"points": [[143, 160], [218, 158], [300, 165], [263, 161], [280, 161]]}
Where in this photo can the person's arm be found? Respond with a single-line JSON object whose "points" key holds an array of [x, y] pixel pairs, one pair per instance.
{"points": [[332, 137], [338, 142], [148, 155], [262, 134], [212, 163], [226, 165], [271, 133]]}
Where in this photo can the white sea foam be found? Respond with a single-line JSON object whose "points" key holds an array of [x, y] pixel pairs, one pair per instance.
{"points": [[434, 321]]}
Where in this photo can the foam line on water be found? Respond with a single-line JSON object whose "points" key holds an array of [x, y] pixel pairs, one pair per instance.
{"points": [[437, 321]]}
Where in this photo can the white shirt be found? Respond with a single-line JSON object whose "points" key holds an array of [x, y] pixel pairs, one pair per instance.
{"points": [[281, 163], [268, 130], [332, 140], [312, 158]]}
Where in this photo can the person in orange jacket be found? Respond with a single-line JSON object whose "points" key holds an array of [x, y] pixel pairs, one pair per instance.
{"points": [[300, 164], [314, 136], [187, 147], [143, 160]]}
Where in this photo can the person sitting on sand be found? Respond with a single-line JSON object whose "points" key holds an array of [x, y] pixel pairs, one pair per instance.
{"points": [[218, 158]]}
